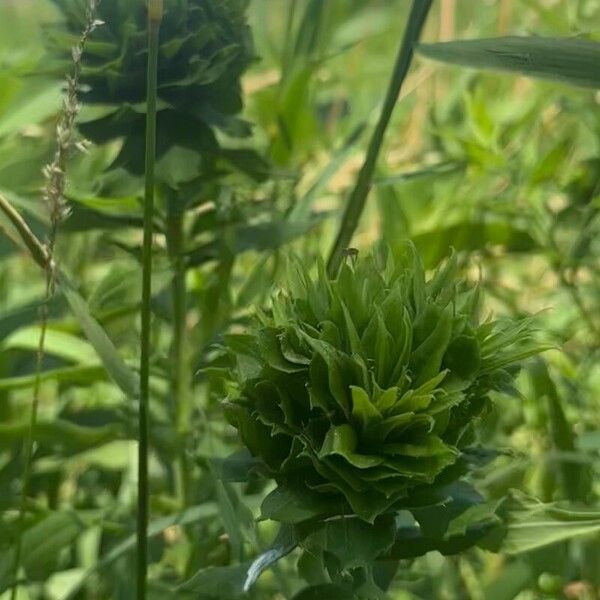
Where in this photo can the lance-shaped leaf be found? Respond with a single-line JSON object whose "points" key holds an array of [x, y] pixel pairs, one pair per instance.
{"points": [[568, 60], [531, 524]]}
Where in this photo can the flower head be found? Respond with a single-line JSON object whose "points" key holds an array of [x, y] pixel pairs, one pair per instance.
{"points": [[205, 46], [368, 388]]}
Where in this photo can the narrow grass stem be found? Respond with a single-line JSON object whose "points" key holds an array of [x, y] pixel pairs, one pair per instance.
{"points": [[180, 379], [154, 21], [357, 200], [28, 444]]}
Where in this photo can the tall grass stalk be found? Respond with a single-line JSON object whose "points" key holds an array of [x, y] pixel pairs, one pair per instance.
{"points": [[180, 379], [358, 198], [155, 13], [54, 197]]}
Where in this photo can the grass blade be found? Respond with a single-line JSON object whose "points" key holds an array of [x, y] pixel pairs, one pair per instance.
{"points": [[357, 200], [111, 359], [569, 60]]}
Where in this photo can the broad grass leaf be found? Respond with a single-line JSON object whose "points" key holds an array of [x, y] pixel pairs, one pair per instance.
{"points": [[259, 237], [14, 319], [106, 214], [42, 546], [108, 354], [531, 524], [256, 284], [78, 375], [33, 103], [112, 456], [568, 60], [59, 434], [236, 517], [57, 343]]}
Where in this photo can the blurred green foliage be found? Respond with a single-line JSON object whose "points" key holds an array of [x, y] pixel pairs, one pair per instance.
{"points": [[503, 169]]}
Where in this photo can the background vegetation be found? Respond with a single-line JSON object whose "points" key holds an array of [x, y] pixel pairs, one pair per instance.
{"points": [[503, 169]]}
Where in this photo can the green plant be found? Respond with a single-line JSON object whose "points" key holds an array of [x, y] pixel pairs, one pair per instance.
{"points": [[361, 395], [204, 49], [503, 170]]}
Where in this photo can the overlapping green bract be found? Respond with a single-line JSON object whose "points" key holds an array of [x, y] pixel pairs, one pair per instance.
{"points": [[206, 45], [367, 388]]}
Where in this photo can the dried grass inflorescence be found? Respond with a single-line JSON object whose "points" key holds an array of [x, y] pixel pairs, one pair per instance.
{"points": [[66, 135]]}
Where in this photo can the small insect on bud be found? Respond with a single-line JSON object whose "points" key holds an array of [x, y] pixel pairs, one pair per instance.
{"points": [[351, 253]]}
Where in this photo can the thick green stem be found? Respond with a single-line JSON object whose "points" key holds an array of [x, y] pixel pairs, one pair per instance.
{"points": [[180, 378], [357, 200], [154, 20]]}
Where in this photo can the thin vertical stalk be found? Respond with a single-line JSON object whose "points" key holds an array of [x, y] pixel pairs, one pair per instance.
{"points": [[155, 12], [180, 378], [357, 200], [29, 440]]}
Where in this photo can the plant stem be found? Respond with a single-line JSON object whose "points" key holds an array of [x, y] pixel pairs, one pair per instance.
{"points": [[357, 200], [37, 250], [155, 10], [180, 380], [28, 444]]}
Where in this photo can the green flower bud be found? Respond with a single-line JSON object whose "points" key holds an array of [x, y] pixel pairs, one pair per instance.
{"points": [[205, 47], [368, 388]]}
